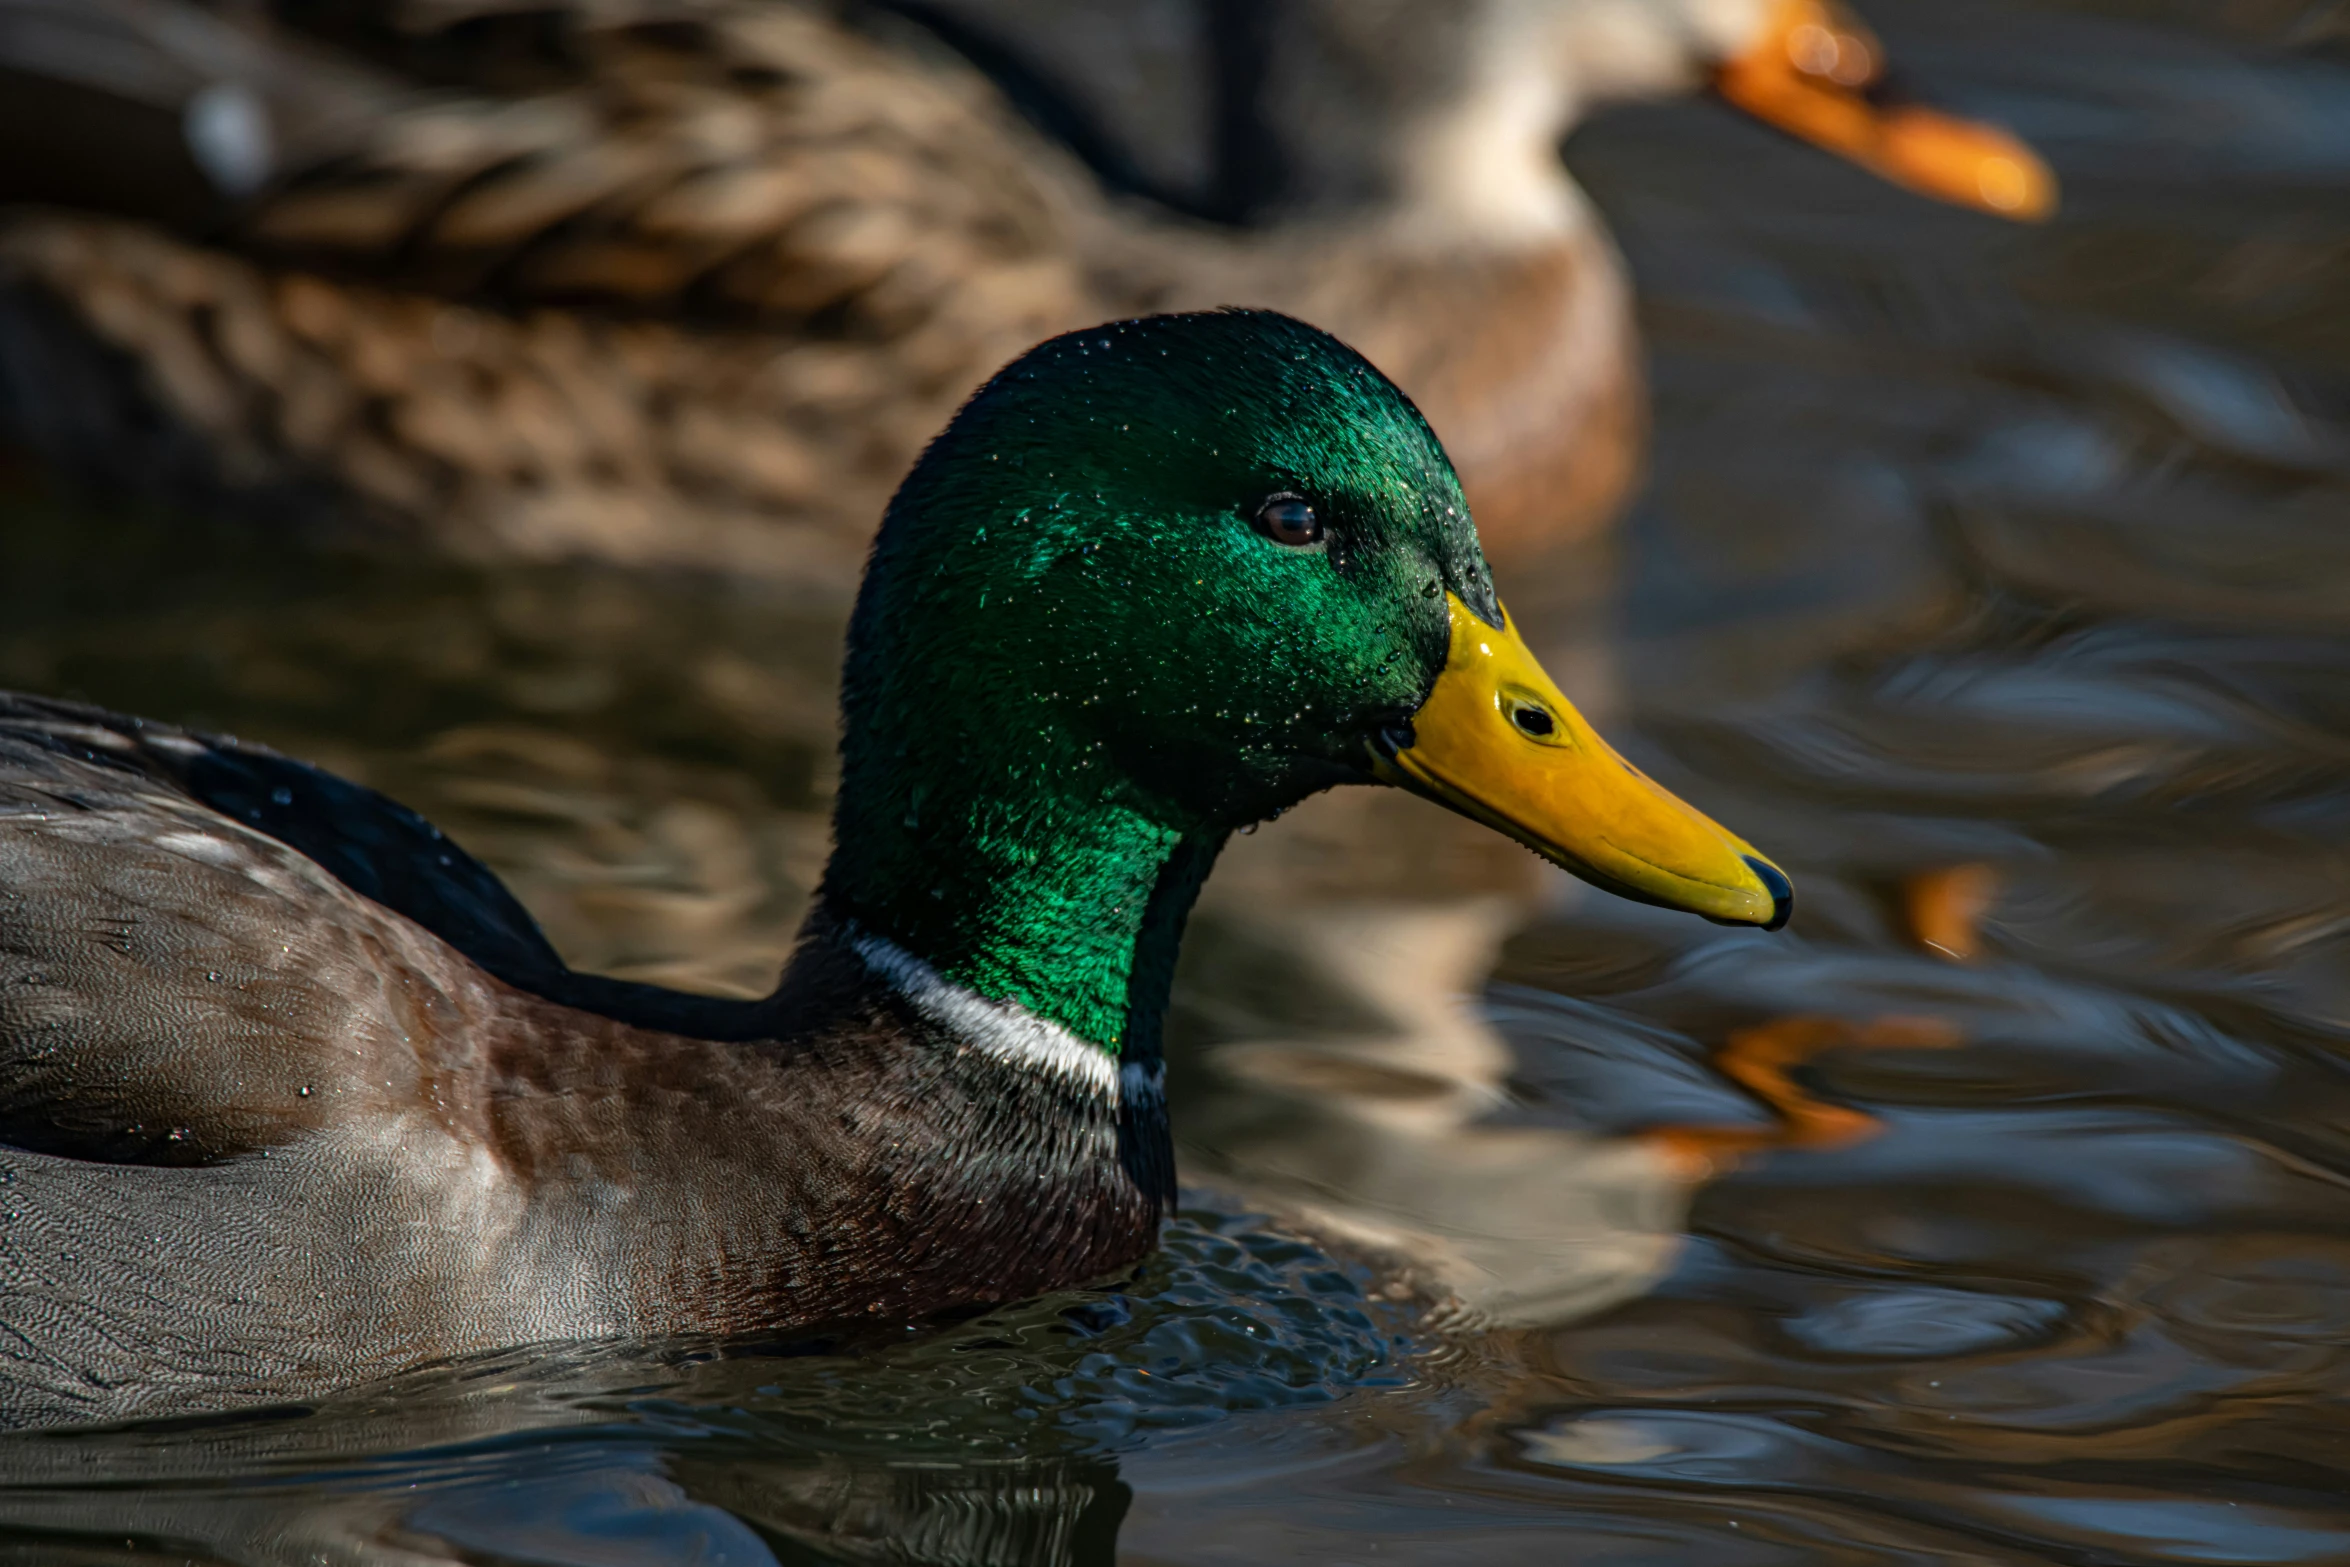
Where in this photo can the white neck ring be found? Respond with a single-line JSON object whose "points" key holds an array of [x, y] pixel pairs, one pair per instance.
{"points": [[1006, 1032]]}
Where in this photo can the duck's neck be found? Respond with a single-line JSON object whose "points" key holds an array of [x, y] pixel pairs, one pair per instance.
{"points": [[1488, 165], [1028, 881]]}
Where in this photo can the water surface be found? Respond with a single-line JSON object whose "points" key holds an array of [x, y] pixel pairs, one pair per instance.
{"points": [[2010, 561]]}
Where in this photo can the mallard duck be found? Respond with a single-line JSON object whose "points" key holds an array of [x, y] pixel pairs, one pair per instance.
{"points": [[295, 1093], [688, 281]]}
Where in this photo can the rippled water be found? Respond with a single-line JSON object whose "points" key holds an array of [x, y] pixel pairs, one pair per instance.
{"points": [[1981, 569]]}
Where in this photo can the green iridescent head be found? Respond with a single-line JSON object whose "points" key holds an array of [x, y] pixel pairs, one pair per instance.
{"points": [[1088, 548], [1158, 580]]}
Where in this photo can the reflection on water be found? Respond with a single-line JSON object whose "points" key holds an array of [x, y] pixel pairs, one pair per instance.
{"points": [[987, 1444], [1996, 580]]}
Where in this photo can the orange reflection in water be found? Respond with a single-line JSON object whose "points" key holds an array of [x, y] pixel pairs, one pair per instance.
{"points": [[1762, 1060]]}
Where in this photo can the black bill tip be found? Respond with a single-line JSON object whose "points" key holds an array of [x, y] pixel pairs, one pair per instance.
{"points": [[1781, 889]]}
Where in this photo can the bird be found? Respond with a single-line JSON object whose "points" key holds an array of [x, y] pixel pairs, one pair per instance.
{"points": [[685, 283], [293, 1093]]}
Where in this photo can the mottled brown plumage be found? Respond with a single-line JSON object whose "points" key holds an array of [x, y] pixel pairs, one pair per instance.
{"points": [[689, 281]]}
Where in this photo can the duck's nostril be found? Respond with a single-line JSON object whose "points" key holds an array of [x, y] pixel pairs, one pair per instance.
{"points": [[1533, 720]]}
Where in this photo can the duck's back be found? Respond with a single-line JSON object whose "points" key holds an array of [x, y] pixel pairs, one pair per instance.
{"points": [[212, 1055]]}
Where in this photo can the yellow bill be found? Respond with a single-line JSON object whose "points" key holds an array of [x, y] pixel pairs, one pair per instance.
{"points": [[1810, 74], [1497, 742]]}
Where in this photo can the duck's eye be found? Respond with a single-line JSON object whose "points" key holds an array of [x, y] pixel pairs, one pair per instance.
{"points": [[1289, 520]]}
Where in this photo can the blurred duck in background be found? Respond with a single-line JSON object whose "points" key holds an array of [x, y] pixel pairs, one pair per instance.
{"points": [[687, 282]]}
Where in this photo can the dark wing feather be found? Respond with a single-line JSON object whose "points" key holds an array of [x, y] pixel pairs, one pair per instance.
{"points": [[373, 845], [175, 988], [161, 110], [206, 947]]}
